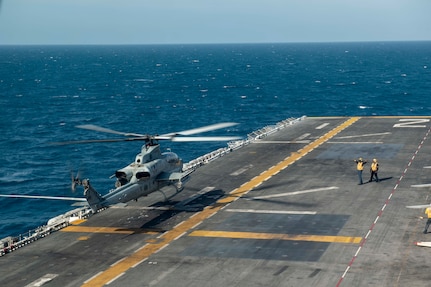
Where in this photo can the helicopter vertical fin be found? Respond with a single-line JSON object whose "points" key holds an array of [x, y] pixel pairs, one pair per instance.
{"points": [[94, 199]]}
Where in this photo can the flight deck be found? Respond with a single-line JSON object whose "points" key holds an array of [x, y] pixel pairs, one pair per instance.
{"points": [[283, 210]]}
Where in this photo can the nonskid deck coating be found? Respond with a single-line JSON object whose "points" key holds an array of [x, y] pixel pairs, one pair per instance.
{"points": [[277, 214]]}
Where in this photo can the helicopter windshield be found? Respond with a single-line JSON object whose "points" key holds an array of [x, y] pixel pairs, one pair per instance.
{"points": [[171, 157]]}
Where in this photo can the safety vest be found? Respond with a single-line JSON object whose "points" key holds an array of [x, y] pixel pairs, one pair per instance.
{"points": [[374, 166], [428, 212], [360, 165]]}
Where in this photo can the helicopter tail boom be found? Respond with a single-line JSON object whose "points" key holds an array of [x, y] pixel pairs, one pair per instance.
{"points": [[94, 199]]}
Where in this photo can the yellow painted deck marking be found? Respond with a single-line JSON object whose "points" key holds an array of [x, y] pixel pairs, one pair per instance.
{"points": [[253, 235], [144, 252], [78, 221], [91, 229], [83, 238]]}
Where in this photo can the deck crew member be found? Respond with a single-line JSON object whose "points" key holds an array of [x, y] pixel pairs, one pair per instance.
{"points": [[428, 213], [373, 170], [360, 167]]}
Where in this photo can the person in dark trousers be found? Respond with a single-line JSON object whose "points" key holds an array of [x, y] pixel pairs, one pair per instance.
{"points": [[428, 213], [360, 167], [373, 170]]}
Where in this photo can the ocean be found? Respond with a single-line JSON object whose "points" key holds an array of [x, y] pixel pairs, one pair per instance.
{"points": [[45, 91]]}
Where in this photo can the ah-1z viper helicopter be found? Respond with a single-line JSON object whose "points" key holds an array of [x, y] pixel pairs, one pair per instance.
{"points": [[151, 170]]}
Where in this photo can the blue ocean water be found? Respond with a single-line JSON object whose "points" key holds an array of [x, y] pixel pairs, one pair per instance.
{"points": [[45, 91]]}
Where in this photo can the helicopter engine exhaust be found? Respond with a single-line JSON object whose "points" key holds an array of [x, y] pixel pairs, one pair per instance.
{"points": [[143, 175]]}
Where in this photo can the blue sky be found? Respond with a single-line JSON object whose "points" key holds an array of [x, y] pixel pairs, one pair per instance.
{"points": [[212, 21]]}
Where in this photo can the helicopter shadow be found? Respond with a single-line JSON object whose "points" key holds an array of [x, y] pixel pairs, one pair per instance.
{"points": [[194, 204]]}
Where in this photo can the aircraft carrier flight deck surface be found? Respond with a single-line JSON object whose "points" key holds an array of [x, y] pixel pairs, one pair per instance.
{"points": [[285, 210]]}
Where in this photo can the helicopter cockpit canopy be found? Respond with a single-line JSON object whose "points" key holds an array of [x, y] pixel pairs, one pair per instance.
{"points": [[171, 158]]}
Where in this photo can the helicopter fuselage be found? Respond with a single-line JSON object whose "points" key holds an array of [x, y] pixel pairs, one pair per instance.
{"points": [[142, 176], [150, 171]]}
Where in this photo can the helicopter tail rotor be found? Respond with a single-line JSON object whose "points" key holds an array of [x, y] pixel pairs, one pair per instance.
{"points": [[75, 181]]}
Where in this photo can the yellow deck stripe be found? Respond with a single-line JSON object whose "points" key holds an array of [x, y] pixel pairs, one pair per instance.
{"points": [[147, 250], [253, 235], [119, 230], [78, 221]]}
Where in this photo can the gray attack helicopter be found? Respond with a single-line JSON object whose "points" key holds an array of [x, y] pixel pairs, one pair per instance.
{"points": [[151, 170]]}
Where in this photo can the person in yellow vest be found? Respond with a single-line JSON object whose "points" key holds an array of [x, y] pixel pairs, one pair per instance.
{"points": [[360, 167], [428, 213], [373, 170]]}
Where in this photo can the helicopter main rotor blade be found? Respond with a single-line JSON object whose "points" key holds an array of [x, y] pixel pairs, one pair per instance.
{"points": [[202, 129], [105, 130], [43, 197], [141, 137], [202, 139]]}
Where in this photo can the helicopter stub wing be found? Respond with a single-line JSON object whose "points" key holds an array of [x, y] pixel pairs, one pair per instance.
{"points": [[173, 176]]}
